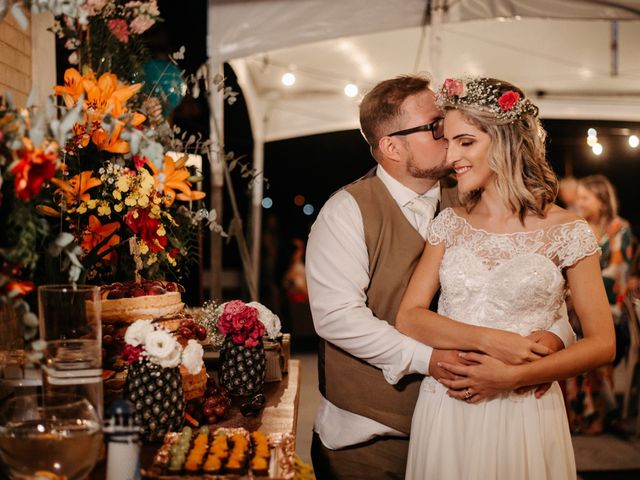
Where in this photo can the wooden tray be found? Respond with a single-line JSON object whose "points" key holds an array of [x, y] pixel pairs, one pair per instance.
{"points": [[281, 464]]}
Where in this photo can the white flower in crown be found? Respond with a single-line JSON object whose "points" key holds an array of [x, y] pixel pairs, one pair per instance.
{"points": [[137, 332], [269, 319], [192, 357], [161, 345]]}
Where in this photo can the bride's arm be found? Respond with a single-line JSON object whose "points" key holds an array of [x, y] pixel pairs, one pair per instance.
{"points": [[596, 348], [416, 320]]}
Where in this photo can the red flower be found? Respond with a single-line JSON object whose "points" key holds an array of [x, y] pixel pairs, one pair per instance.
{"points": [[146, 227], [131, 354], [35, 167], [139, 161], [508, 100], [119, 29]]}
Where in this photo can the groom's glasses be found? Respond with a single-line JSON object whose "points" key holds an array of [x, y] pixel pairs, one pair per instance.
{"points": [[436, 127]]}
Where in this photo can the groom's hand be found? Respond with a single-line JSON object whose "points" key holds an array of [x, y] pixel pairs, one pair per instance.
{"points": [[446, 356], [553, 343]]}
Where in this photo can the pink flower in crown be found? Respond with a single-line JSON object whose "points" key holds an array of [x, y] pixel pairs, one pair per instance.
{"points": [[508, 100], [454, 88], [119, 29]]}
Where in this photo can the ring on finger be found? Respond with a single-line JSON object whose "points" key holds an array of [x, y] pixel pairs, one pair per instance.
{"points": [[467, 394]]}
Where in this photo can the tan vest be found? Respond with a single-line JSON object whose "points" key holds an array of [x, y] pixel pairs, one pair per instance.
{"points": [[394, 248]]}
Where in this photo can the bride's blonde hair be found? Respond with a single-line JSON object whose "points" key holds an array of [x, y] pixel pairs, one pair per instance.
{"points": [[524, 178]]}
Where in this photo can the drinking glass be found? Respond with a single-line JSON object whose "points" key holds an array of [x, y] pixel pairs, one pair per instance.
{"points": [[42, 435], [71, 325]]}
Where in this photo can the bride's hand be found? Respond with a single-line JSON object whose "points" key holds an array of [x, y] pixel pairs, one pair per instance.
{"points": [[485, 378], [512, 348]]}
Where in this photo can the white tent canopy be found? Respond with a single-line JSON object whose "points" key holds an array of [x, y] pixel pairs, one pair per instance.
{"points": [[578, 57], [558, 48]]}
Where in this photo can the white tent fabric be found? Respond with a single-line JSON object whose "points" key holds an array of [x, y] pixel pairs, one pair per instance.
{"points": [[560, 50]]}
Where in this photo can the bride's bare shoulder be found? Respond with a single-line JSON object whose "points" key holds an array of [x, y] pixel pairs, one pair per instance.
{"points": [[557, 215]]}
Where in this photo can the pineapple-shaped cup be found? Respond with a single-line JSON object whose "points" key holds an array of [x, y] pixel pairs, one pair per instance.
{"points": [[242, 368], [154, 382], [242, 356], [156, 394]]}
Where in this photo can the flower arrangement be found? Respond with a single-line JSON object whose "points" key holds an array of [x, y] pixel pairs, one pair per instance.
{"points": [[147, 342], [117, 191], [246, 323], [97, 26], [505, 103]]}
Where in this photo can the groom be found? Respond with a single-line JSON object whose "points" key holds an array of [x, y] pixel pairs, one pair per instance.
{"points": [[362, 249]]}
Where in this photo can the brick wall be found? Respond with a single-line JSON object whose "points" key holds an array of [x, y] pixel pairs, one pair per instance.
{"points": [[15, 60]]}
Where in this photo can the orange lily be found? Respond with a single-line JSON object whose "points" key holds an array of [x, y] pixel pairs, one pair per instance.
{"points": [[175, 178], [113, 143], [72, 89], [75, 189], [47, 210], [96, 233], [20, 288], [193, 196]]}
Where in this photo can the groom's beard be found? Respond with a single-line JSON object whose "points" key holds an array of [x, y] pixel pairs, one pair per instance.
{"points": [[435, 173]]}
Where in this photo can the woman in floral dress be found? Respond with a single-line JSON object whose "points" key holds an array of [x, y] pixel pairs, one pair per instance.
{"points": [[590, 397]]}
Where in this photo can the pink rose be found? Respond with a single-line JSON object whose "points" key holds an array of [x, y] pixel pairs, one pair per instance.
{"points": [[251, 342], [238, 338], [119, 29], [508, 100], [454, 87], [234, 307]]}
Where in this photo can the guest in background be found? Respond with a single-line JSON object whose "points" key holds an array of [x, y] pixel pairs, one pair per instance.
{"points": [[568, 193], [591, 400], [633, 284]]}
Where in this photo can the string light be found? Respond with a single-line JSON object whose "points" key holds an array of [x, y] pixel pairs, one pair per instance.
{"points": [[597, 149], [634, 141], [288, 79], [351, 90]]}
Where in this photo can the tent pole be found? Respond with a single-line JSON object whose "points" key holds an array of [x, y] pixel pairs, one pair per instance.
{"points": [[438, 9], [212, 277]]}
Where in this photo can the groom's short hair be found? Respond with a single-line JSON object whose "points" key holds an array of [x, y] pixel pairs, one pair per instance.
{"points": [[383, 104]]}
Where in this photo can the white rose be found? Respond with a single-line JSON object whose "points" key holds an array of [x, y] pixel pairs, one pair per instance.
{"points": [[170, 361], [269, 319], [192, 357], [137, 332], [160, 344]]}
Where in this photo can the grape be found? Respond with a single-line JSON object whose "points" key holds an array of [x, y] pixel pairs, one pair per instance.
{"points": [[201, 332]]}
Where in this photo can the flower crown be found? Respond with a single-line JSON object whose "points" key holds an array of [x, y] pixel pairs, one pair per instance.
{"points": [[505, 104]]}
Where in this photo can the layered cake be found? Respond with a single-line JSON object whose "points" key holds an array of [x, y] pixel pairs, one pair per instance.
{"points": [[146, 300]]}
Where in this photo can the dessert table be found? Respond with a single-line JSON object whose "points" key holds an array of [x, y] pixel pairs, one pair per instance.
{"points": [[279, 415]]}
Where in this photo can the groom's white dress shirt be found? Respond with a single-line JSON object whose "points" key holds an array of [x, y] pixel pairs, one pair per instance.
{"points": [[337, 267]]}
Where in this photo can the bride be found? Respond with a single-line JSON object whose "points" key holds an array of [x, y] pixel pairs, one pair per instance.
{"points": [[503, 262]]}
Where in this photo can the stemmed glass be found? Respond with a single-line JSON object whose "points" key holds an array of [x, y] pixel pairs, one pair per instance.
{"points": [[50, 434]]}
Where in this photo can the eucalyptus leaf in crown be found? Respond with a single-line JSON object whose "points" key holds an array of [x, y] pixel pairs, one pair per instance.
{"points": [[505, 103]]}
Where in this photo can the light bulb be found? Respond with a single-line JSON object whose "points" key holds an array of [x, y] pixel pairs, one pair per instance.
{"points": [[597, 149], [351, 90], [591, 141], [634, 141], [592, 132], [288, 79]]}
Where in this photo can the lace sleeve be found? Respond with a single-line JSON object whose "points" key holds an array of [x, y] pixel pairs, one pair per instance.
{"points": [[439, 229], [578, 242]]}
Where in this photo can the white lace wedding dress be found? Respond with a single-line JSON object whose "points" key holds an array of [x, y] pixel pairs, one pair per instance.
{"points": [[513, 282]]}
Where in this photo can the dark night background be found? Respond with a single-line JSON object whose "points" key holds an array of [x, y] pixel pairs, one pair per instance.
{"points": [[318, 165]]}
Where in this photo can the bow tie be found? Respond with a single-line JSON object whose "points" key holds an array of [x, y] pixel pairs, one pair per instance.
{"points": [[425, 208]]}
